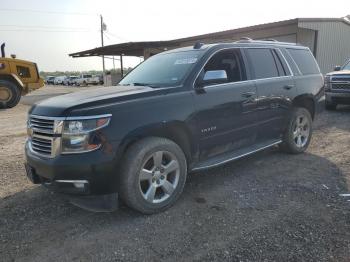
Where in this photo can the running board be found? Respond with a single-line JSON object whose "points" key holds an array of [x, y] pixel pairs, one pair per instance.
{"points": [[224, 158]]}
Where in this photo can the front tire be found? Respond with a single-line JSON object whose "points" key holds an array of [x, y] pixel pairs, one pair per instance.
{"points": [[298, 134], [9, 94], [153, 175]]}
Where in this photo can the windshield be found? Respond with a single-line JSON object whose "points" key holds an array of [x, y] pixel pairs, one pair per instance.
{"points": [[163, 70], [346, 66]]}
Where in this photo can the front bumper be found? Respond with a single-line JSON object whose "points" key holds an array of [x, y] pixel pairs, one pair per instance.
{"points": [[338, 97], [92, 173]]}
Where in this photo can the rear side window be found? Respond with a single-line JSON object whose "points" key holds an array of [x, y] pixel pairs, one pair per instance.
{"points": [[304, 60], [262, 62]]}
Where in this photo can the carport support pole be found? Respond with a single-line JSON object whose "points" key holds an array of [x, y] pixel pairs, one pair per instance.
{"points": [[121, 66], [103, 57]]}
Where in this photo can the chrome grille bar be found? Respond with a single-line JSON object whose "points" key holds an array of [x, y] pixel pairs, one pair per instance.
{"points": [[43, 139]]}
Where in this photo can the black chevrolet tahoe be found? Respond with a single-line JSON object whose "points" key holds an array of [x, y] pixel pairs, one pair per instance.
{"points": [[337, 86], [180, 111]]}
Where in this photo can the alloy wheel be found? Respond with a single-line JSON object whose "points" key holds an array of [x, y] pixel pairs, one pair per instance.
{"points": [[159, 176], [301, 131]]}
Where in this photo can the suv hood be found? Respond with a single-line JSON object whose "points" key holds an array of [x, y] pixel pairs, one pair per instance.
{"points": [[61, 105], [343, 72]]}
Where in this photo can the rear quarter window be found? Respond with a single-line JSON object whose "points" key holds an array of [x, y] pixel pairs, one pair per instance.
{"points": [[304, 60]]}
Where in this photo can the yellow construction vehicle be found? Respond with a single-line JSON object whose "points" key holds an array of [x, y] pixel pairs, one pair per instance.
{"points": [[17, 77]]}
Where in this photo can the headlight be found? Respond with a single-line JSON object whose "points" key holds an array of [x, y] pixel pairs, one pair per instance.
{"points": [[327, 86], [80, 135]]}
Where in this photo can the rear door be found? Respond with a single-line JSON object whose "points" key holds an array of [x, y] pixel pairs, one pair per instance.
{"points": [[225, 112], [275, 91]]}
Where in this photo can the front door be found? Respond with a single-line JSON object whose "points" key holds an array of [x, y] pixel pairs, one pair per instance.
{"points": [[225, 111]]}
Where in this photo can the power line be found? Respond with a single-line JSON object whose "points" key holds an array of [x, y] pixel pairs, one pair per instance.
{"points": [[46, 12], [47, 31], [46, 27]]}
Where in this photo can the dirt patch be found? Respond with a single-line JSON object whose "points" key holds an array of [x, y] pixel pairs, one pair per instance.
{"points": [[267, 207]]}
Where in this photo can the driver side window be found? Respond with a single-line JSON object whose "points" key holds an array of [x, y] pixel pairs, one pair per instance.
{"points": [[228, 60]]}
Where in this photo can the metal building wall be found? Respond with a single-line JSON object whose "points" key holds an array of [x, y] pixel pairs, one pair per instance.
{"points": [[286, 33], [333, 42], [306, 37]]}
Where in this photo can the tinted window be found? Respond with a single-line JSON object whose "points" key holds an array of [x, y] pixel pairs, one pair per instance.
{"points": [[304, 60], [230, 61], [281, 64], [290, 62], [23, 71], [262, 62]]}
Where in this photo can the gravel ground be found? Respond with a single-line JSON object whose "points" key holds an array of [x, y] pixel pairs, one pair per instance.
{"points": [[266, 207]]}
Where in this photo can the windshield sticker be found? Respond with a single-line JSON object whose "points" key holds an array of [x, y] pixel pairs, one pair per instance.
{"points": [[185, 61]]}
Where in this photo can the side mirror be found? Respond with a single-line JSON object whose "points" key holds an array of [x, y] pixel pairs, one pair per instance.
{"points": [[214, 77], [337, 68]]}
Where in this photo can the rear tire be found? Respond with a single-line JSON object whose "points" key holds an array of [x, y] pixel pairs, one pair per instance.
{"points": [[9, 94], [153, 175], [298, 134]]}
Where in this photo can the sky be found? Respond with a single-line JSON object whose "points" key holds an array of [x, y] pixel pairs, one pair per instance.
{"points": [[46, 31]]}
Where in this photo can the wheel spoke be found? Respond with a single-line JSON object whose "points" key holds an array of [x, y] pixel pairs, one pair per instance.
{"points": [[167, 187], [171, 167], [145, 175], [299, 142], [295, 133], [151, 192], [158, 158]]}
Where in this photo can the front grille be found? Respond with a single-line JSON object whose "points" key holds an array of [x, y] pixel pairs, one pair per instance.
{"points": [[341, 78], [341, 86], [44, 134], [42, 144], [41, 124]]}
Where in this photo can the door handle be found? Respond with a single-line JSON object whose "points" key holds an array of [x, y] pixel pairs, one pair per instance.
{"points": [[248, 94], [288, 87]]}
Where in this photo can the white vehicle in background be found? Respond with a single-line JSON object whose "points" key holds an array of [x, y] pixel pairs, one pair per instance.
{"points": [[59, 80], [69, 81], [87, 79]]}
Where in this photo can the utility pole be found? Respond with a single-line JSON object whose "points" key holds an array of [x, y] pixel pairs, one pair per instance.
{"points": [[103, 27], [121, 65]]}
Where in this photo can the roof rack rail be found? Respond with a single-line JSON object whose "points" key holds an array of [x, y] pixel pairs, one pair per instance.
{"points": [[270, 39], [244, 40]]}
